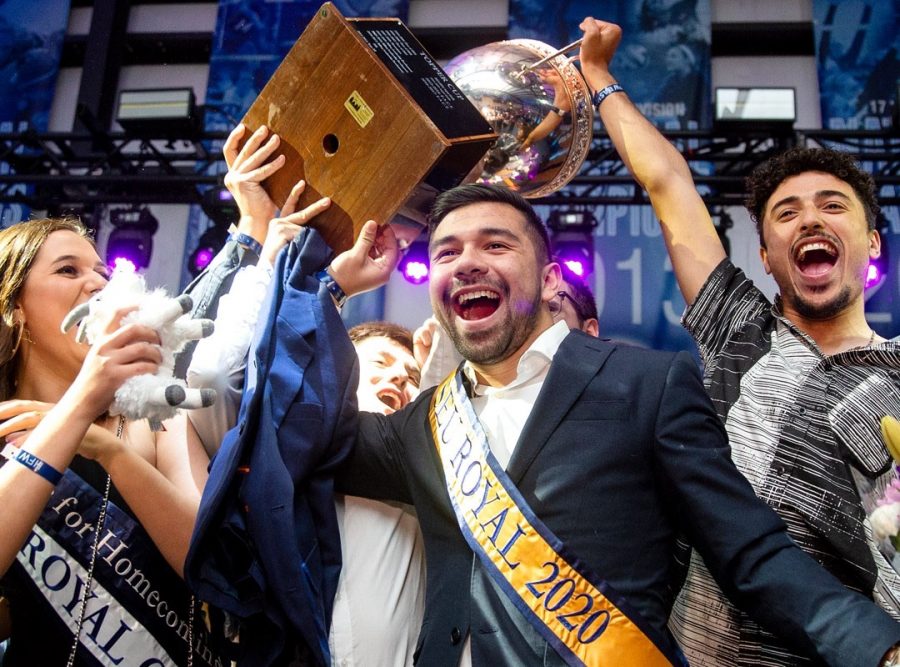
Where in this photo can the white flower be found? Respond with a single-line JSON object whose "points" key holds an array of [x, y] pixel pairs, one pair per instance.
{"points": [[885, 521]]}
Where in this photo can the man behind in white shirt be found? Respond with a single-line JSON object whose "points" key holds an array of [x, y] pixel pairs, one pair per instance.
{"points": [[380, 596]]}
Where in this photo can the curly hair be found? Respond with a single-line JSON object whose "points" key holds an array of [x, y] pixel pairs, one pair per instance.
{"points": [[766, 178]]}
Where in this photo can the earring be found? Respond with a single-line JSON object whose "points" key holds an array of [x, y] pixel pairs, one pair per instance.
{"points": [[26, 335]]}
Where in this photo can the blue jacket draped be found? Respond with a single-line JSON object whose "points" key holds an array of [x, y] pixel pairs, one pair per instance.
{"points": [[266, 547]]}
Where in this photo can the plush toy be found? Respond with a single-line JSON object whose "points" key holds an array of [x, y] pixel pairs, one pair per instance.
{"points": [[154, 397]]}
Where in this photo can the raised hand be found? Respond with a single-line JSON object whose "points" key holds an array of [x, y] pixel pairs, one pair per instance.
{"points": [[368, 264], [248, 167], [120, 353], [422, 340], [284, 228], [597, 49]]}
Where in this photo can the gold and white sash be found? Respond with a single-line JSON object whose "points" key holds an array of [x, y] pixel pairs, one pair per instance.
{"points": [[578, 613]]}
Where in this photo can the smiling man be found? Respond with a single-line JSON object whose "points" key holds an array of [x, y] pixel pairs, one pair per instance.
{"points": [[553, 472], [800, 384]]}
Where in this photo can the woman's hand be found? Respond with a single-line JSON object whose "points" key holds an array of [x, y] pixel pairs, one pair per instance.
{"points": [[121, 353], [19, 418]]}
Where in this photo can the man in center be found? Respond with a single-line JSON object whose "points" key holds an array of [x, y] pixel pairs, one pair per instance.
{"points": [[552, 473]]}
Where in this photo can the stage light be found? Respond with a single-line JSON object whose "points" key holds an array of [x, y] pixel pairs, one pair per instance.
{"points": [[755, 108], [123, 264], [576, 256], [572, 235], [878, 267], [873, 274], [218, 205], [415, 266], [210, 242], [131, 239], [571, 220], [166, 112]]}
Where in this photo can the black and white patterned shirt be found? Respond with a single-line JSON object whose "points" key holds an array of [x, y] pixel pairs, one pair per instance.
{"points": [[805, 430]]}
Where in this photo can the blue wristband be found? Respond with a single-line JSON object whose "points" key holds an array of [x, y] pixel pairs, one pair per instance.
{"points": [[331, 285], [602, 94], [33, 463], [247, 241]]}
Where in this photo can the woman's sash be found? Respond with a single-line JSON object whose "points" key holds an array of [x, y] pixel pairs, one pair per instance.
{"points": [[577, 612], [138, 608]]}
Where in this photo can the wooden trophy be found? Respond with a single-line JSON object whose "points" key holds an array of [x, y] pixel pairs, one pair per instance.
{"points": [[368, 118]]}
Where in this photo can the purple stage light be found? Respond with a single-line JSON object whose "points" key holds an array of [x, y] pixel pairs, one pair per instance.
{"points": [[202, 258], [416, 272], [576, 266], [414, 265], [873, 275], [575, 253], [122, 263], [131, 237]]}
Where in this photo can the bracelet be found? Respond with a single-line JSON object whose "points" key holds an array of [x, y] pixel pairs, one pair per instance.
{"points": [[601, 95], [559, 112], [247, 241], [331, 285], [32, 462]]}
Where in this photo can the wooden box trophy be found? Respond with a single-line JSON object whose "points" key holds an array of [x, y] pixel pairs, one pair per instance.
{"points": [[368, 118]]}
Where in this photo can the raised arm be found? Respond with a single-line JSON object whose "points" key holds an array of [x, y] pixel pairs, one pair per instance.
{"points": [[690, 236]]}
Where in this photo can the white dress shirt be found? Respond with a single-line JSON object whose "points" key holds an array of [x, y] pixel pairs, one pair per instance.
{"points": [[381, 593], [503, 411]]}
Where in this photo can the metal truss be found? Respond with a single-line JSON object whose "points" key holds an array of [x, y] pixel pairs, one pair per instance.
{"points": [[52, 170], [721, 160]]}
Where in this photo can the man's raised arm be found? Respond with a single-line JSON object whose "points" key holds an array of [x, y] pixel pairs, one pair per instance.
{"points": [[691, 238]]}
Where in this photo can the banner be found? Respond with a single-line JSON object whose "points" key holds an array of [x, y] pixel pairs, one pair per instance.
{"points": [[30, 48], [664, 58], [250, 41], [664, 64], [857, 43]]}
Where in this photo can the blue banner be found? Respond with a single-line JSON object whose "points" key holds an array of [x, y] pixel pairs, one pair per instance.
{"points": [[30, 49], [250, 41], [857, 43], [664, 64], [664, 58]]}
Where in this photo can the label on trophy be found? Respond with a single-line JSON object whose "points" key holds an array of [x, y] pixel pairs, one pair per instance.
{"points": [[360, 125], [431, 88], [362, 113]]}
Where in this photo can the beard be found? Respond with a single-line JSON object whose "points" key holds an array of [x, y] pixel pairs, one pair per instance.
{"points": [[823, 311], [501, 340]]}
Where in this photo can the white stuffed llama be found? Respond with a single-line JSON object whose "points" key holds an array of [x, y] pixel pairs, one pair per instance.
{"points": [[154, 397]]}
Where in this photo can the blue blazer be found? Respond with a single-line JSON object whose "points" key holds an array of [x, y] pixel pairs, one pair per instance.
{"points": [[266, 547], [621, 454]]}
